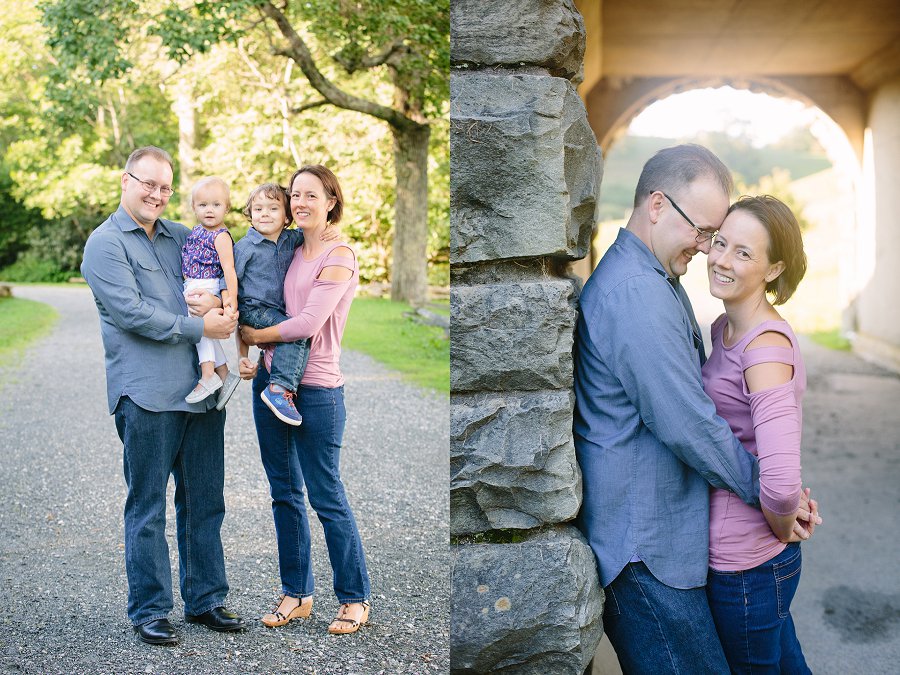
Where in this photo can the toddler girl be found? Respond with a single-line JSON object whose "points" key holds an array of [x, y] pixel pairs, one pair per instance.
{"points": [[207, 257]]}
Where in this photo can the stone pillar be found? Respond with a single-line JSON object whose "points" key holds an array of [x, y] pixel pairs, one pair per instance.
{"points": [[877, 335], [525, 177]]}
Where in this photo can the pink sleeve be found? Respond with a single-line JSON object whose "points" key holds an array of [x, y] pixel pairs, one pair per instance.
{"points": [[776, 420], [321, 303]]}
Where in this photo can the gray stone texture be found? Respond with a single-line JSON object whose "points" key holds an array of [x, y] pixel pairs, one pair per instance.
{"points": [[524, 270], [509, 337], [525, 178], [512, 461], [525, 168], [545, 33], [529, 608]]}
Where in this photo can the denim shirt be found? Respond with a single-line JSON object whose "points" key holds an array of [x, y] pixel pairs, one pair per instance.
{"points": [[148, 337], [647, 437], [261, 266]]}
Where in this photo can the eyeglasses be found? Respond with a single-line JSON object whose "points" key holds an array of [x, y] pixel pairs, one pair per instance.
{"points": [[164, 190], [702, 235]]}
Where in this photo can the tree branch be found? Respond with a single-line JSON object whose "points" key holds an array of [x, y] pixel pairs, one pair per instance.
{"points": [[366, 62], [307, 106], [245, 57], [299, 52]]}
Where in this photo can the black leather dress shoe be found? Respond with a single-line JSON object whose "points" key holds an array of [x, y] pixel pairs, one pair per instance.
{"points": [[157, 632], [218, 619]]}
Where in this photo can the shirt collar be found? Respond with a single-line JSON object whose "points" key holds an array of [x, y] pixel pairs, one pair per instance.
{"points": [[256, 238], [253, 235], [632, 244], [126, 223]]}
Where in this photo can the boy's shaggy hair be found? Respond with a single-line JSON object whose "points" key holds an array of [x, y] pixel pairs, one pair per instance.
{"points": [[272, 191]]}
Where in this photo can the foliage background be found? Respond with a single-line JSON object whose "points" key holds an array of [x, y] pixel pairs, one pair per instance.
{"points": [[67, 129], [797, 155]]}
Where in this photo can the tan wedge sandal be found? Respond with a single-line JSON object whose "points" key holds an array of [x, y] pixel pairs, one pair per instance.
{"points": [[342, 624], [301, 611]]}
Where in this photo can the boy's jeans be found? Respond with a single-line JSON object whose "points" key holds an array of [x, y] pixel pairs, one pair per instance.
{"points": [[289, 359]]}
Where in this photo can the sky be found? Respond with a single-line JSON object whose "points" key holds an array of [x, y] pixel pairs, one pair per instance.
{"points": [[762, 118]]}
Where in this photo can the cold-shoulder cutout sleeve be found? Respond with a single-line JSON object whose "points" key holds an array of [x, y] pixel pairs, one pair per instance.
{"points": [[341, 257], [776, 416], [323, 298]]}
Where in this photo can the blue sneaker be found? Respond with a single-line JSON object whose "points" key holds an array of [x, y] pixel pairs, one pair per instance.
{"points": [[281, 403]]}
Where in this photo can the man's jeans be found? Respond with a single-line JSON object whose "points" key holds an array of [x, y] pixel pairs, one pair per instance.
{"points": [[190, 446], [289, 358], [655, 628], [310, 455], [752, 614]]}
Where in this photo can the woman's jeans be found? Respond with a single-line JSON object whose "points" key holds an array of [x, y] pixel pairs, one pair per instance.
{"points": [[309, 455], [751, 610], [191, 447]]}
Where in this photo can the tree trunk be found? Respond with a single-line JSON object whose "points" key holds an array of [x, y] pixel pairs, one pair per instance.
{"points": [[183, 107], [409, 277]]}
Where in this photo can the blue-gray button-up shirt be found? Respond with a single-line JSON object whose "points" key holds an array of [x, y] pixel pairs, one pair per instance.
{"points": [[261, 266], [148, 337], [647, 437]]}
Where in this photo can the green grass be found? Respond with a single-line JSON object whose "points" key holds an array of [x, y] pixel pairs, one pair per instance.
{"points": [[439, 306], [23, 322], [831, 339], [420, 353]]}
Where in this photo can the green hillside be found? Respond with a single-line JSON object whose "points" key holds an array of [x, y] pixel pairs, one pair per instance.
{"points": [[799, 154]]}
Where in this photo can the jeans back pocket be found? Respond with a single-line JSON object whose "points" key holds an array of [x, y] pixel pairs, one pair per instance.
{"points": [[786, 569]]}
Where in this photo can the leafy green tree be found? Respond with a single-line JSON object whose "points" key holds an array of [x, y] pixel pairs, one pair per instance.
{"points": [[16, 220], [63, 144], [387, 59], [23, 71], [21, 84], [776, 184]]}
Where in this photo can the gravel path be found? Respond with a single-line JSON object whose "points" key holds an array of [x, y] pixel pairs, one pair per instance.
{"points": [[62, 576], [847, 608]]}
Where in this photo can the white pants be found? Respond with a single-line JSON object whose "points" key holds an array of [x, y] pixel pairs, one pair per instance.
{"points": [[207, 349]]}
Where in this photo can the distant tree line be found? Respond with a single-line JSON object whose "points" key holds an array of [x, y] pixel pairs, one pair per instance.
{"points": [[769, 168]]}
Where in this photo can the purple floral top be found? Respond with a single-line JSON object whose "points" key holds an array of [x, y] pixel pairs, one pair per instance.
{"points": [[199, 259]]}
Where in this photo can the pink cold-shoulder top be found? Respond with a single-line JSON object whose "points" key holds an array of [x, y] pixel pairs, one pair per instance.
{"points": [[318, 309], [768, 424]]}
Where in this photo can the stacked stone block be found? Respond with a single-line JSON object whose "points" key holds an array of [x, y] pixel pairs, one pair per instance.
{"points": [[525, 176]]}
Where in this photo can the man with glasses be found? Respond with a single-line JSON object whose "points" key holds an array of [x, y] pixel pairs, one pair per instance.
{"points": [[647, 437], [132, 262]]}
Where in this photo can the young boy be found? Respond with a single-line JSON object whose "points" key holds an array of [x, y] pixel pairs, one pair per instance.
{"points": [[261, 261]]}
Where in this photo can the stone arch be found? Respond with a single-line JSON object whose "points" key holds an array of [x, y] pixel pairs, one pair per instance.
{"points": [[842, 58], [613, 102], [612, 105]]}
